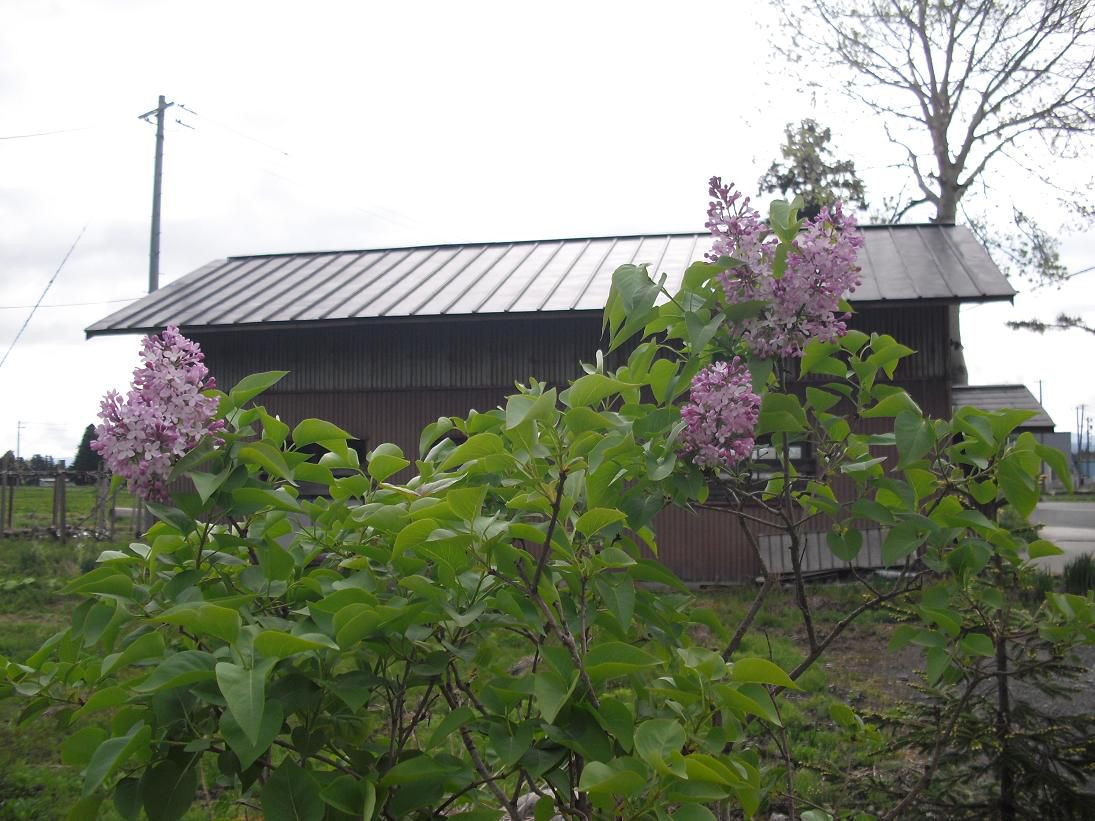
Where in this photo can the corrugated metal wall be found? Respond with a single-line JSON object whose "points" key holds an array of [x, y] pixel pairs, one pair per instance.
{"points": [[477, 353], [384, 383]]}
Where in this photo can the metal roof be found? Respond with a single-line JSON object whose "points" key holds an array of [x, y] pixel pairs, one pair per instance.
{"points": [[998, 397], [900, 263]]}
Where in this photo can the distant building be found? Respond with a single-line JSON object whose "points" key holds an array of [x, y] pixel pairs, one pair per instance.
{"points": [[383, 341]]}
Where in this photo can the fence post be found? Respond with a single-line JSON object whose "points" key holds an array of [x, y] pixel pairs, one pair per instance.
{"points": [[100, 503], [62, 507], [14, 479]]}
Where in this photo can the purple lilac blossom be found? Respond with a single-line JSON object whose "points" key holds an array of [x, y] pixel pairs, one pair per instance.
{"points": [[163, 416], [720, 415], [802, 305]]}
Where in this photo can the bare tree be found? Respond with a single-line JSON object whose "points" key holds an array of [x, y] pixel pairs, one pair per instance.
{"points": [[960, 84]]}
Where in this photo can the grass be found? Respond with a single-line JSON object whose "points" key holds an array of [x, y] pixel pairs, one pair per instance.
{"points": [[858, 671], [33, 507], [34, 784]]}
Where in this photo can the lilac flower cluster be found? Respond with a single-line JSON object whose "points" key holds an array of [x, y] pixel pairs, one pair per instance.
{"points": [[163, 416], [804, 303], [720, 415]]}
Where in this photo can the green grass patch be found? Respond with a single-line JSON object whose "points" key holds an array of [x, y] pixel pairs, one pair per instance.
{"points": [[33, 506]]}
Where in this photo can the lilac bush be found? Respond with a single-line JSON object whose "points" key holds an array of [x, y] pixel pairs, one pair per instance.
{"points": [[163, 416], [721, 414], [803, 303]]}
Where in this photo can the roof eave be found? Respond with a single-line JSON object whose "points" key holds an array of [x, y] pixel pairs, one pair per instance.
{"points": [[97, 330]]}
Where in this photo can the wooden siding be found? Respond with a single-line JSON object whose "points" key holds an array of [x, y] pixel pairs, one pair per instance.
{"points": [[384, 383]]}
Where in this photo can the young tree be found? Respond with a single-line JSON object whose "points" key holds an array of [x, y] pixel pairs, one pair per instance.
{"points": [[809, 169], [86, 459], [960, 86]]}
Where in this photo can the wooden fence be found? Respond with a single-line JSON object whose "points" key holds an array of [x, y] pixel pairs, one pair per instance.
{"points": [[22, 513]]}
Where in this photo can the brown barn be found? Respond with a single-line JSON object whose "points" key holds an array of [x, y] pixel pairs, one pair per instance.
{"points": [[384, 341]]}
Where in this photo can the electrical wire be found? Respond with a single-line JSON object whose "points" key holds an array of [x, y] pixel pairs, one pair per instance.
{"points": [[74, 304], [43, 296], [40, 134]]}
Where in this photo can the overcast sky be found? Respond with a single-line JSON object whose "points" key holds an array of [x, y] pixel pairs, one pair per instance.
{"points": [[329, 126]]}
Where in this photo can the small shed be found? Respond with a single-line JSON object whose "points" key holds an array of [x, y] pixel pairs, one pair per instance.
{"points": [[383, 341]]}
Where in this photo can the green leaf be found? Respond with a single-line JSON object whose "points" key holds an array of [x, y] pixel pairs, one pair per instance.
{"points": [[693, 812], [780, 413], [260, 497], [205, 619], [618, 777], [276, 644], [345, 794], [452, 722], [592, 388], [168, 790], [266, 457], [615, 658], [476, 447], [113, 753], [207, 483], [551, 691], [1018, 485], [760, 671], [432, 433], [658, 742], [818, 357], [251, 386], [107, 580], [310, 431], [845, 543], [246, 750], [386, 461], [1057, 462], [1040, 548], [510, 744], [902, 539], [179, 670], [78, 748], [915, 437], [86, 809], [630, 303], [894, 404], [244, 689], [523, 407], [421, 768], [150, 645], [595, 520], [291, 794], [978, 644]]}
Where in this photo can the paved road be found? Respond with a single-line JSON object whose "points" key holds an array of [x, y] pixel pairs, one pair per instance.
{"points": [[1070, 526]]}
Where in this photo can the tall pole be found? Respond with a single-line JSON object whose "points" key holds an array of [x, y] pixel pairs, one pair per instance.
{"points": [[154, 243]]}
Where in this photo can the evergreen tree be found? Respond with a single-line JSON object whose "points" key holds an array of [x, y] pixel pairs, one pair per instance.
{"points": [[808, 169], [87, 459]]}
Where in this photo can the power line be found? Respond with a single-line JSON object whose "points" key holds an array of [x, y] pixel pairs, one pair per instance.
{"points": [[43, 133], [43, 296], [72, 304]]}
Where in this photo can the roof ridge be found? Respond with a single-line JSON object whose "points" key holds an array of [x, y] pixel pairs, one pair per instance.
{"points": [[475, 243]]}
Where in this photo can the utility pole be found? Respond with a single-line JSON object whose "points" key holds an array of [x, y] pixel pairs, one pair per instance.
{"points": [[18, 437], [154, 244]]}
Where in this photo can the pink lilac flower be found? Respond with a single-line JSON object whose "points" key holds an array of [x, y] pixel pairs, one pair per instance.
{"points": [[163, 416], [720, 415], [804, 303]]}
